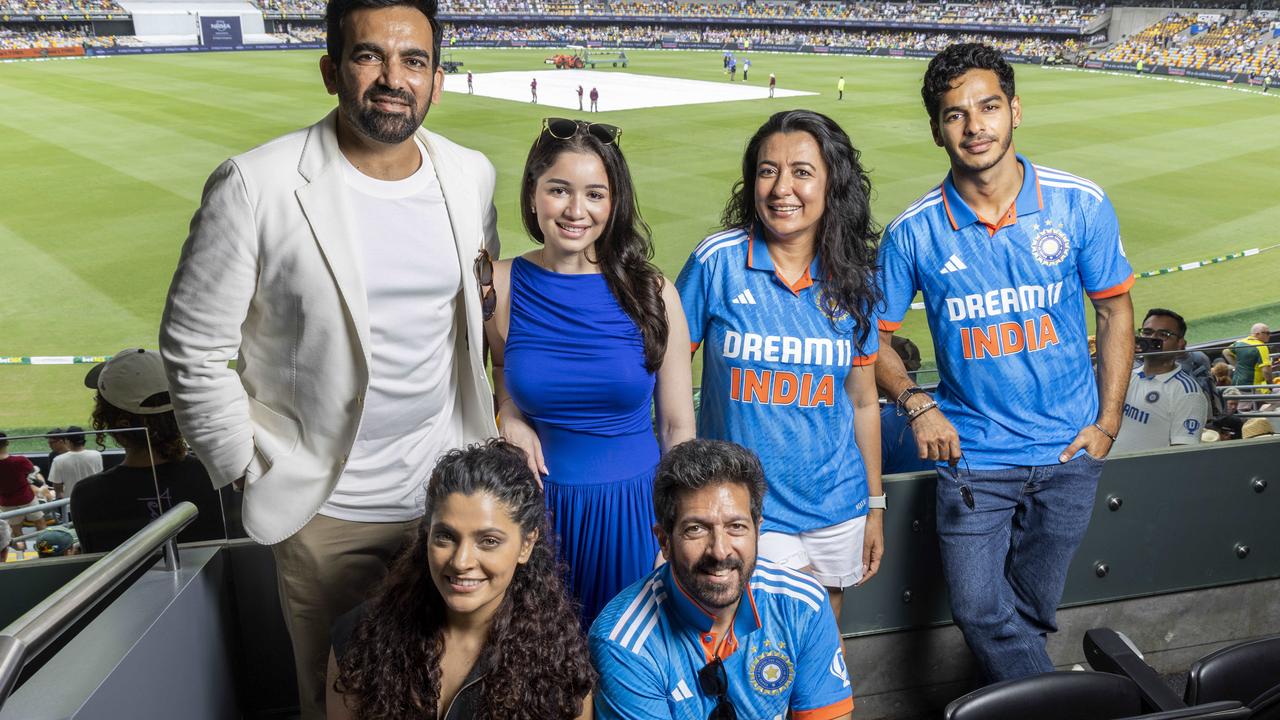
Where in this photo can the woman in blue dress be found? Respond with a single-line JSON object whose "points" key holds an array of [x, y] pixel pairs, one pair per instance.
{"points": [[586, 336]]}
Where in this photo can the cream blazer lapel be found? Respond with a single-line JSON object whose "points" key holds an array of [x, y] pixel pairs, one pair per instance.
{"points": [[458, 187], [324, 203]]}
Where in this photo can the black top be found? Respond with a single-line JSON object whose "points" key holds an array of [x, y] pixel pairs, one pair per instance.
{"points": [[111, 506], [465, 705]]}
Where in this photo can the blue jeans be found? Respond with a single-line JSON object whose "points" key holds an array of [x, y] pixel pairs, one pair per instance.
{"points": [[1006, 559]]}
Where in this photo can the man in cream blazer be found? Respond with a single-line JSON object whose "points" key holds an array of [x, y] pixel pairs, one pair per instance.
{"points": [[336, 266]]}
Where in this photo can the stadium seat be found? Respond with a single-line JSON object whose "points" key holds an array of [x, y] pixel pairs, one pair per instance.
{"points": [[1076, 696], [1052, 696], [1248, 672]]}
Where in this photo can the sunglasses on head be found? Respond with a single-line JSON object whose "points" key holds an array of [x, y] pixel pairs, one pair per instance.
{"points": [[713, 681], [565, 129]]}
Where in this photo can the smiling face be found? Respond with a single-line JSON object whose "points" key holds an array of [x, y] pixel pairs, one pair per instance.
{"points": [[385, 82], [573, 202], [474, 549], [790, 187], [975, 122], [712, 546]]}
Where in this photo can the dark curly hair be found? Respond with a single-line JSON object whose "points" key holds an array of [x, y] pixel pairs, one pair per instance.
{"points": [[695, 464], [162, 430], [336, 12], [847, 236], [957, 60], [536, 656], [624, 249]]}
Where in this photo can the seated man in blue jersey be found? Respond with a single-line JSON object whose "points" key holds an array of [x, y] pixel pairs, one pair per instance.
{"points": [[712, 634]]}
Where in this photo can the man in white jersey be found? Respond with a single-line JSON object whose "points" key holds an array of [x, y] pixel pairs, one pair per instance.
{"points": [[1164, 404], [337, 265], [75, 464]]}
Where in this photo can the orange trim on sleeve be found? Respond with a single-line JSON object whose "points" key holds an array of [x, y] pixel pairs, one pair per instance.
{"points": [[693, 347], [834, 710], [865, 360], [1113, 291], [887, 326]]}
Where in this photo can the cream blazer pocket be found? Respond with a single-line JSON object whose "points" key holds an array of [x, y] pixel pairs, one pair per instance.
{"points": [[274, 437]]}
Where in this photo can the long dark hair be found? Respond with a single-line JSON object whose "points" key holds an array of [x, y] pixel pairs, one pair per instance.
{"points": [[167, 443], [624, 249], [536, 656], [847, 236]]}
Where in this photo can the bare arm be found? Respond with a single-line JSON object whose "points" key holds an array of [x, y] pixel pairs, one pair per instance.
{"points": [[936, 437], [860, 386], [673, 397], [1115, 365], [511, 422]]}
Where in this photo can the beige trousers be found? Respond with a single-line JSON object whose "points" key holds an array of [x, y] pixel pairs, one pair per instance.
{"points": [[324, 570]]}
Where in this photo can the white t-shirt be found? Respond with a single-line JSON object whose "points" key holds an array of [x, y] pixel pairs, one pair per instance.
{"points": [[412, 279], [1161, 410], [71, 467]]}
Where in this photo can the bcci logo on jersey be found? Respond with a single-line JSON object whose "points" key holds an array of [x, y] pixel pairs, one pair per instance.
{"points": [[771, 672], [1050, 245]]}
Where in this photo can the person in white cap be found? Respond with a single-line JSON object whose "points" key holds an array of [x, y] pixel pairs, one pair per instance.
{"points": [[132, 405]]}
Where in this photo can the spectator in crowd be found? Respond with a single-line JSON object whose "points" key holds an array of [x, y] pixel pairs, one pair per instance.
{"points": [[364, 228], [57, 442], [1019, 468], [723, 632], [1256, 427], [157, 471], [1164, 405], [1251, 357], [587, 338], [16, 491], [473, 616], [74, 465], [1220, 373], [796, 261], [55, 542]]}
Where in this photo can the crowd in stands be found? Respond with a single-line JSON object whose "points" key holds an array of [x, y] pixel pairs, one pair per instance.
{"points": [[987, 13], [747, 37], [53, 36], [60, 7], [1234, 44]]}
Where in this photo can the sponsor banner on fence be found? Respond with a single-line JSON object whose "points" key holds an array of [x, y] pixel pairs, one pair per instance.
{"points": [[31, 53]]}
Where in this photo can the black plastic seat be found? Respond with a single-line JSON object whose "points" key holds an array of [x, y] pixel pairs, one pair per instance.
{"points": [[1076, 696], [1248, 672], [1052, 696]]}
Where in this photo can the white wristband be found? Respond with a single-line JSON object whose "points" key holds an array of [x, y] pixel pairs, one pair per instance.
{"points": [[877, 502]]}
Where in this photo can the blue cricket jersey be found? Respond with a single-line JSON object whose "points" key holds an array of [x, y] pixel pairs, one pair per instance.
{"points": [[774, 364], [782, 654], [1005, 304]]}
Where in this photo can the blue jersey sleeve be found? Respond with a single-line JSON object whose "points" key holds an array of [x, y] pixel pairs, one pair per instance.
{"points": [[629, 687], [822, 688], [1103, 266], [692, 284], [897, 279], [865, 352]]}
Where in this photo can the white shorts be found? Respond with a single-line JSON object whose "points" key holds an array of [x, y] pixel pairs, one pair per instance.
{"points": [[832, 555], [29, 517]]}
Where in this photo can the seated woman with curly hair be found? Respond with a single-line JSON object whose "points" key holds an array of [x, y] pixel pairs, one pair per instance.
{"points": [[473, 620]]}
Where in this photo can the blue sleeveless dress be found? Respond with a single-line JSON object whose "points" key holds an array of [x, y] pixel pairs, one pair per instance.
{"points": [[575, 368]]}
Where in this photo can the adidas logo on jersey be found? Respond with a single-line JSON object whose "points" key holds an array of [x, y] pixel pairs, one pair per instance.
{"points": [[954, 264], [681, 692], [744, 298]]}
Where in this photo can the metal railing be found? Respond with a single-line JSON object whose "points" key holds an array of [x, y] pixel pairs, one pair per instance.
{"points": [[35, 631], [41, 507]]}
